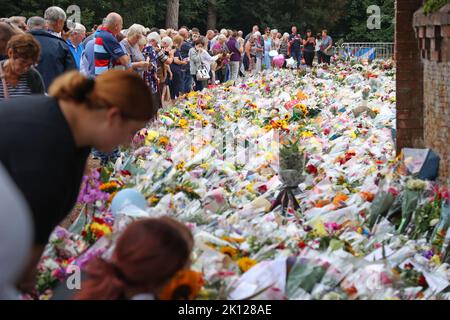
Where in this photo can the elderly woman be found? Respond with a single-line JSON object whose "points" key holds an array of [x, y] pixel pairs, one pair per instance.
{"points": [[221, 49], [156, 74], [284, 45], [257, 50], [18, 76], [131, 44]]}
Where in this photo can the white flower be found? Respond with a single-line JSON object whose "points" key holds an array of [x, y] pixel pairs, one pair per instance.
{"points": [[434, 222], [416, 184]]}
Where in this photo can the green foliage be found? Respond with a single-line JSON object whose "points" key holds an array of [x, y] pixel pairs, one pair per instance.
{"points": [[345, 19], [431, 6]]}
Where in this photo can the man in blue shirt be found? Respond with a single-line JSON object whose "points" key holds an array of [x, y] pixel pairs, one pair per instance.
{"points": [[76, 37]]}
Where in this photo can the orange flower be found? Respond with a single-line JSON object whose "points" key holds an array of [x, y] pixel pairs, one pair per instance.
{"points": [[246, 264], [186, 285], [367, 196], [322, 203], [301, 96], [340, 199]]}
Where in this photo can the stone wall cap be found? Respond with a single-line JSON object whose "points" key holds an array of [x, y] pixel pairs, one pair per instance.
{"points": [[439, 18]]}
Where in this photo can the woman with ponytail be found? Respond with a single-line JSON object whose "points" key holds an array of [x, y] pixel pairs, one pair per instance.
{"points": [[45, 140], [147, 255]]}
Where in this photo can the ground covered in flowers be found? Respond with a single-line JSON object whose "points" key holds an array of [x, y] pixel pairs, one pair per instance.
{"points": [[364, 229]]}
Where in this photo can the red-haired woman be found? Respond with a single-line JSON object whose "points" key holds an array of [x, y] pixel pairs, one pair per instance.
{"points": [[147, 256]]}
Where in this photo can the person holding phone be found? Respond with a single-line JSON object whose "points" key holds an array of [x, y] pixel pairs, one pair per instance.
{"points": [[295, 45], [309, 44]]}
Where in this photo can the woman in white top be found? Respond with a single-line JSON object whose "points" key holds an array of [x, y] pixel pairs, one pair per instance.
{"points": [[200, 58]]}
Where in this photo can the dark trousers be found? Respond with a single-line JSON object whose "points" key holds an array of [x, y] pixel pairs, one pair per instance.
{"points": [[176, 84], [309, 57], [326, 58], [187, 81], [221, 75], [319, 57], [199, 85], [246, 63], [297, 55]]}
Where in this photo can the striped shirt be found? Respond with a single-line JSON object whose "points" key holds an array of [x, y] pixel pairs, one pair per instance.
{"points": [[106, 50], [21, 89]]}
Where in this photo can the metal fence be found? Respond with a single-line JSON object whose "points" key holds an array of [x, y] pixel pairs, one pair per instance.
{"points": [[367, 50]]}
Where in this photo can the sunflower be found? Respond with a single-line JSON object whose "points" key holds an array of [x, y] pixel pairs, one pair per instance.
{"points": [[163, 141], [230, 251], [186, 285], [246, 264], [183, 124]]}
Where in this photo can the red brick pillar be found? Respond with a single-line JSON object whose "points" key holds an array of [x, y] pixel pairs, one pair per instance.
{"points": [[409, 77]]}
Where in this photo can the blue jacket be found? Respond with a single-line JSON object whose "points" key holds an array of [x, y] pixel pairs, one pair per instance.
{"points": [[55, 58]]}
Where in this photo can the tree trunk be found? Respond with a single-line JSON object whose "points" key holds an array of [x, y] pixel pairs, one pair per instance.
{"points": [[172, 14], [212, 14]]}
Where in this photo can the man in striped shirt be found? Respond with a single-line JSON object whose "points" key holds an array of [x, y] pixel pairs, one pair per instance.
{"points": [[108, 52]]}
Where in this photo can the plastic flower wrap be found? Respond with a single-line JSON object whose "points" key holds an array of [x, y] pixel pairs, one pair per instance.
{"points": [[212, 161]]}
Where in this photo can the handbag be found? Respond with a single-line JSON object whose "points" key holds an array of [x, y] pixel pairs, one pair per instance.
{"points": [[203, 73]]}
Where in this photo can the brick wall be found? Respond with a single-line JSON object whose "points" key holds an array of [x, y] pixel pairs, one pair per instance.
{"points": [[409, 77], [433, 36]]}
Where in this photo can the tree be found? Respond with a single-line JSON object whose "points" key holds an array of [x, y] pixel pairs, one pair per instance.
{"points": [[212, 14], [172, 14]]}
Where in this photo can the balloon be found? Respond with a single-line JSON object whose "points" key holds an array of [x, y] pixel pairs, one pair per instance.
{"points": [[279, 60], [273, 53], [128, 197]]}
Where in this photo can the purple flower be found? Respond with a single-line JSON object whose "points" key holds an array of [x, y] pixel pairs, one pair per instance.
{"points": [[428, 254]]}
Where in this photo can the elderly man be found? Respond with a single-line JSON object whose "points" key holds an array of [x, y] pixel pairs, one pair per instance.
{"points": [[108, 52], [55, 53], [36, 23], [76, 37]]}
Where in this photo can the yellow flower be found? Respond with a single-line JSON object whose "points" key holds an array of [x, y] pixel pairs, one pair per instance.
{"points": [[100, 229], [249, 188], [153, 200], [307, 134], [163, 141], [192, 94], [180, 166], [205, 123], [183, 123], [233, 240], [205, 166], [246, 264], [151, 136], [436, 260], [301, 96], [229, 251]]}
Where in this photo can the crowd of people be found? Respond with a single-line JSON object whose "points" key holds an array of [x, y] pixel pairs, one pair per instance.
{"points": [[66, 92], [172, 62]]}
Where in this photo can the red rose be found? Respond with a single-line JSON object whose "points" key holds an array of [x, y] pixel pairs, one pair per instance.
{"points": [[311, 169], [262, 189], [423, 281], [302, 245]]}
